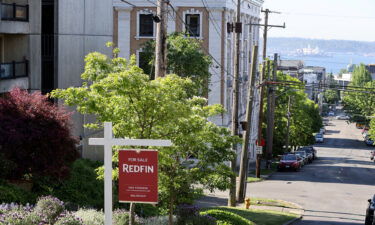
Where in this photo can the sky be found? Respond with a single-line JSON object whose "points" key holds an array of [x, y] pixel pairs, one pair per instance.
{"points": [[323, 19]]}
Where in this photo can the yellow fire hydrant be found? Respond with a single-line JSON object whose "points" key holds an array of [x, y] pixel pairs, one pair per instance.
{"points": [[247, 203]]}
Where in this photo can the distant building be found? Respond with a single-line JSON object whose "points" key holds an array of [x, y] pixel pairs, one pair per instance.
{"points": [[313, 76], [343, 79], [371, 69], [291, 67]]}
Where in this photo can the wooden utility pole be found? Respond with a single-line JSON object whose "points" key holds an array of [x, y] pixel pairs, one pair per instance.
{"points": [[234, 131], [262, 83], [287, 126], [241, 192], [161, 39], [271, 112]]}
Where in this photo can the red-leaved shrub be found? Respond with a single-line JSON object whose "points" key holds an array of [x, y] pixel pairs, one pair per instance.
{"points": [[35, 136]]}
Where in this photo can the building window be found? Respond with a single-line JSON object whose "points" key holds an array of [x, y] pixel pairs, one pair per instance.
{"points": [[146, 25], [193, 25]]}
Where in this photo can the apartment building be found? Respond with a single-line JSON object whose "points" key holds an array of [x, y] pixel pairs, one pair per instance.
{"points": [[43, 43], [207, 21]]}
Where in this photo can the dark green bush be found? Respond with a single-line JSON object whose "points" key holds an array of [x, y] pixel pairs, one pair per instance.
{"points": [[11, 193], [224, 216], [82, 188]]}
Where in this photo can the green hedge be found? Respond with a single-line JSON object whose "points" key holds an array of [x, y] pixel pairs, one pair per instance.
{"points": [[82, 188], [11, 193], [227, 218]]}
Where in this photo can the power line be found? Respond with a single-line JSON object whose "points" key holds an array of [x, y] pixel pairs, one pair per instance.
{"points": [[190, 31], [328, 15]]}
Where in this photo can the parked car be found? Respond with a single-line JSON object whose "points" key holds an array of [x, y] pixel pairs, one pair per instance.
{"points": [[289, 161], [331, 113], [313, 151], [365, 135], [304, 155], [342, 117], [370, 211], [322, 130], [372, 155], [309, 152], [369, 141], [319, 138]]}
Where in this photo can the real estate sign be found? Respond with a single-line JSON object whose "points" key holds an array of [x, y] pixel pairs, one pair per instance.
{"points": [[138, 176]]}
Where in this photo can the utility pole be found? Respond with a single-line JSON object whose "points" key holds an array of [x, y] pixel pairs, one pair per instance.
{"points": [[261, 81], [271, 112], [241, 192], [288, 126], [234, 131], [161, 39]]}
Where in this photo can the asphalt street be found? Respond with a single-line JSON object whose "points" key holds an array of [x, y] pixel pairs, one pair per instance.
{"points": [[333, 189]]}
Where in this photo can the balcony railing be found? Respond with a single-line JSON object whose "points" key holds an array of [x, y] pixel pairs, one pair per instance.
{"points": [[14, 70], [14, 12]]}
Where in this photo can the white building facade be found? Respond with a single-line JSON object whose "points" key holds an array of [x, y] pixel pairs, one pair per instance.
{"points": [[207, 20]]}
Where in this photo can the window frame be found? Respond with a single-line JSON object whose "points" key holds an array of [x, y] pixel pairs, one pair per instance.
{"points": [[144, 12], [193, 12]]}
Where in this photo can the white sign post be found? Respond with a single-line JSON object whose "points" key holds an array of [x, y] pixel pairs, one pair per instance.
{"points": [[108, 141]]}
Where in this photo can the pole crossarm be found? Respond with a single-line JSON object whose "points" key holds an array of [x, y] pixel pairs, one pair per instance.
{"points": [[264, 25]]}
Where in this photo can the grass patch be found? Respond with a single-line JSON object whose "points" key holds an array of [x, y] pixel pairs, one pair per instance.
{"points": [[254, 179], [272, 202], [261, 217]]}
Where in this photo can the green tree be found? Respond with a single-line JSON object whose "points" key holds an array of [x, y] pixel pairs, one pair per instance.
{"points": [[360, 103], [117, 90], [185, 58], [331, 96], [304, 115], [360, 76]]}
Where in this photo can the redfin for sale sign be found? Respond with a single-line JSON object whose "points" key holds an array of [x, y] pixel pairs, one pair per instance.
{"points": [[138, 176]]}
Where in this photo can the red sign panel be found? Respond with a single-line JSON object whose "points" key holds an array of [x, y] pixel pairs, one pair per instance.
{"points": [[138, 176]]}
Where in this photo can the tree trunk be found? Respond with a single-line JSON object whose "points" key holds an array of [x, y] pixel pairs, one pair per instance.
{"points": [[132, 214]]}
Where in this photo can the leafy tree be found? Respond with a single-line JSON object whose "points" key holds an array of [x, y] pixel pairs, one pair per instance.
{"points": [[360, 76], [331, 96], [185, 58], [35, 136], [304, 115], [117, 90], [360, 103]]}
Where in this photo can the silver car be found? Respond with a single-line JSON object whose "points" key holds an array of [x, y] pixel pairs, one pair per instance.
{"points": [[304, 155]]}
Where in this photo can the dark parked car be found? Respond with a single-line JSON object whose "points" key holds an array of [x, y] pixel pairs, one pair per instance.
{"points": [[309, 153], [289, 161], [370, 212], [312, 150], [369, 141], [304, 155]]}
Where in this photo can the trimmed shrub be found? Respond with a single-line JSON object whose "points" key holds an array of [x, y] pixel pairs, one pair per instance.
{"points": [[90, 216], [11, 193], [35, 136], [68, 218], [82, 188], [121, 217], [50, 207], [20, 216], [228, 217]]}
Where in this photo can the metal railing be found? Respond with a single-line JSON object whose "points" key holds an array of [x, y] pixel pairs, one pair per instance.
{"points": [[14, 70], [14, 12]]}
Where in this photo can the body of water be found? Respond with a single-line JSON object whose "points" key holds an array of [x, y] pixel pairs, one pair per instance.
{"points": [[333, 62]]}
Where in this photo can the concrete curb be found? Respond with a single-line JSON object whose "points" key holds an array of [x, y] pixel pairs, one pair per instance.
{"points": [[298, 218]]}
